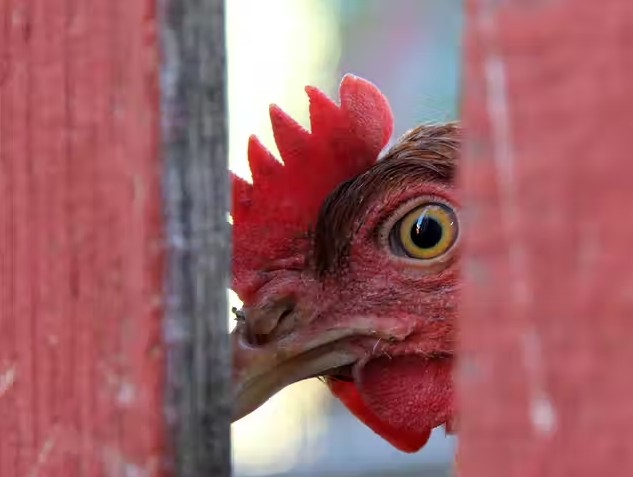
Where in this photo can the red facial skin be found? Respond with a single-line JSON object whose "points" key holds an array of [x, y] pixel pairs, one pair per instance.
{"points": [[382, 307]]}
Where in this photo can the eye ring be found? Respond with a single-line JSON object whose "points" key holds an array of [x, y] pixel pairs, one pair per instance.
{"points": [[424, 230]]}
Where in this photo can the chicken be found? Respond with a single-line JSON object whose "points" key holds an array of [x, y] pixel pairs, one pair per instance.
{"points": [[348, 265]]}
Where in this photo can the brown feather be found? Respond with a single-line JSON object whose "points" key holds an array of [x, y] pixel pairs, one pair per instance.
{"points": [[426, 153]]}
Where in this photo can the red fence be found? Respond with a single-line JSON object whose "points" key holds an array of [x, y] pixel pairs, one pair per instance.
{"points": [[81, 274], [82, 239], [547, 176]]}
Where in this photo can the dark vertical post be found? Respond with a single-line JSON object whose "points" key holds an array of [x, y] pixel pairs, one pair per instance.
{"points": [[196, 201], [547, 317]]}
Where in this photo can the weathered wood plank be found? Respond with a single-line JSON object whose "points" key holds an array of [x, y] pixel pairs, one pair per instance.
{"points": [[548, 301], [196, 197], [81, 388]]}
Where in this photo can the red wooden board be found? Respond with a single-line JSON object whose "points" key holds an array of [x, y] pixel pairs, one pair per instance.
{"points": [[546, 353], [80, 254]]}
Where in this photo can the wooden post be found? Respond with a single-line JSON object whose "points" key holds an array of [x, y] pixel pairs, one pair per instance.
{"points": [[548, 302], [83, 253], [196, 195]]}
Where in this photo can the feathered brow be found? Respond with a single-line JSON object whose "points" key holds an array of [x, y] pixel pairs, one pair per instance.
{"points": [[427, 153]]}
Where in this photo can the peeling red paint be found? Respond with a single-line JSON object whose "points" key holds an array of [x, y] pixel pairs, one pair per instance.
{"points": [[546, 175], [80, 240]]}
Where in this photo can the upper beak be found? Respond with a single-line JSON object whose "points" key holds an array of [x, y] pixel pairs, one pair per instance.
{"points": [[260, 371]]}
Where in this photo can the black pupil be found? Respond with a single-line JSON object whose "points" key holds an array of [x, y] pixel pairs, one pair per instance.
{"points": [[426, 232]]}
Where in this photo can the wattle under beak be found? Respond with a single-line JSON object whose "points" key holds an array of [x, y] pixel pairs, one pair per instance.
{"points": [[260, 371], [349, 355]]}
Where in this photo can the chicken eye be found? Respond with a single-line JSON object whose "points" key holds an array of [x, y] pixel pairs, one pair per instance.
{"points": [[427, 231]]}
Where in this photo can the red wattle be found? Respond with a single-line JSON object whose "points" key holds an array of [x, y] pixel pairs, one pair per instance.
{"points": [[407, 392], [401, 399], [401, 440]]}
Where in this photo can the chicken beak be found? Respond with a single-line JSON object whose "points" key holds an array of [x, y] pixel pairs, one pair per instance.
{"points": [[259, 372]]}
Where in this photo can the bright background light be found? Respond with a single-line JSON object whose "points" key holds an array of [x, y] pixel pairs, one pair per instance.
{"points": [[275, 48]]}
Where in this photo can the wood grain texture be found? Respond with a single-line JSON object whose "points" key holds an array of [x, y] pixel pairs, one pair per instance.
{"points": [[548, 301], [81, 366], [196, 205]]}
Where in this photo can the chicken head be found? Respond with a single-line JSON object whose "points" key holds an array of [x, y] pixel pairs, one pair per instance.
{"points": [[347, 265]]}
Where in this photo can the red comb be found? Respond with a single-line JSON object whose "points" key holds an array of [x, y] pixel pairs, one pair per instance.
{"points": [[272, 216]]}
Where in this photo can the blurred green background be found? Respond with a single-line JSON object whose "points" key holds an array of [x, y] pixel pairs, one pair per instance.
{"points": [[410, 49]]}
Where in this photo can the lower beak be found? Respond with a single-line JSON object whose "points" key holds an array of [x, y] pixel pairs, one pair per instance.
{"points": [[261, 371]]}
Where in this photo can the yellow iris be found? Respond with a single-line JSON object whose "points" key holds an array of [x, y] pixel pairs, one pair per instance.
{"points": [[428, 231]]}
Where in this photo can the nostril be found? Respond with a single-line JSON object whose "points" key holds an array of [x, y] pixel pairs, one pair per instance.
{"points": [[259, 340], [282, 322], [268, 322], [284, 315]]}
